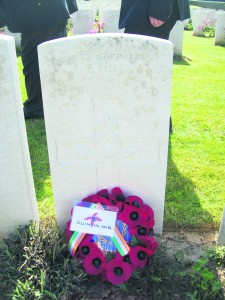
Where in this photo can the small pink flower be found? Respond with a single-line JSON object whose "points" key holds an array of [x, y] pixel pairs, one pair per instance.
{"points": [[139, 256], [92, 31], [95, 263], [117, 271], [101, 23]]}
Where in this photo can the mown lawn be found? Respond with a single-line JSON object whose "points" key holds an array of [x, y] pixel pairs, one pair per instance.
{"points": [[195, 192]]}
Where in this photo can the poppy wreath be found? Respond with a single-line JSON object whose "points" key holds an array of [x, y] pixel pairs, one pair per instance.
{"points": [[135, 222]]}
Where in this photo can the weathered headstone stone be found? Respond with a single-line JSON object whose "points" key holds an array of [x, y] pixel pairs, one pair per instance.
{"points": [[199, 17], [176, 37], [111, 18], [17, 197], [221, 238], [83, 21], [99, 4], [186, 22], [220, 28], [107, 107], [17, 37]]}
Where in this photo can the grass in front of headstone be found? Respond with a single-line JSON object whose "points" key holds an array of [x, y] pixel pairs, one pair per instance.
{"points": [[39, 159], [37, 265], [196, 168]]}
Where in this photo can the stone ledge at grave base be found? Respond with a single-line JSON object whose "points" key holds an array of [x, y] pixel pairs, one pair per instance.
{"points": [[209, 4]]}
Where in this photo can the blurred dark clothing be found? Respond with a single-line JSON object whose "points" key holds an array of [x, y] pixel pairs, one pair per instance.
{"points": [[132, 14], [33, 106], [31, 15], [134, 17], [38, 21]]}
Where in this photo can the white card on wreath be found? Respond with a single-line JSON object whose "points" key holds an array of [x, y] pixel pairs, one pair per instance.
{"points": [[93, 220]]}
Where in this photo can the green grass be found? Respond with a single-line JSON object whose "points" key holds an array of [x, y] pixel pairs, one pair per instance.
{"points": [[195, 192], [39, 159]]}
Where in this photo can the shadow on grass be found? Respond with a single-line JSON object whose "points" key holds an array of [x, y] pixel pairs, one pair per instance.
{"points": [[182, 207], [181, 60], [40, 166]]}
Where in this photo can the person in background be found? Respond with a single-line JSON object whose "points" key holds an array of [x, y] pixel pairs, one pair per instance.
{"points": [[38, 21], [152, 17]]}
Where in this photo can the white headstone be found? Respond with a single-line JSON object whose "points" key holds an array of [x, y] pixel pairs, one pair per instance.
{"points": [[99, 4], [186, 22], [107, 107], [221, 238], [111, 18], [176, 37], [220, 28], [16, 36], [83, 21], [17, 197], [199, 17]]}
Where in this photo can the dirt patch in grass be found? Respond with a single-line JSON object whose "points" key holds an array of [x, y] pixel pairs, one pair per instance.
{"points": [[178, 251]]}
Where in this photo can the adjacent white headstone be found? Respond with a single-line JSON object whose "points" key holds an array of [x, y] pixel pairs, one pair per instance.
{"points": [[99, 4], [107, 107], [220, 28], [186, 22], [199, 17], [108, 11], [17, 197], [111, 18], [176, 37], [221, 238], [16, 36], [83, 21]]}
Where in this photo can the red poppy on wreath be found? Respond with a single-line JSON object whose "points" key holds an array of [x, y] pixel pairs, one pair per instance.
{"points": [[150, 242], [95, 263], [142, 229], [86, 247], [96, 199], [149, 212], [115, 258], [135, 201], [139, 256], [117, 271], [125, 258], [118, 194], [132, 216]]}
